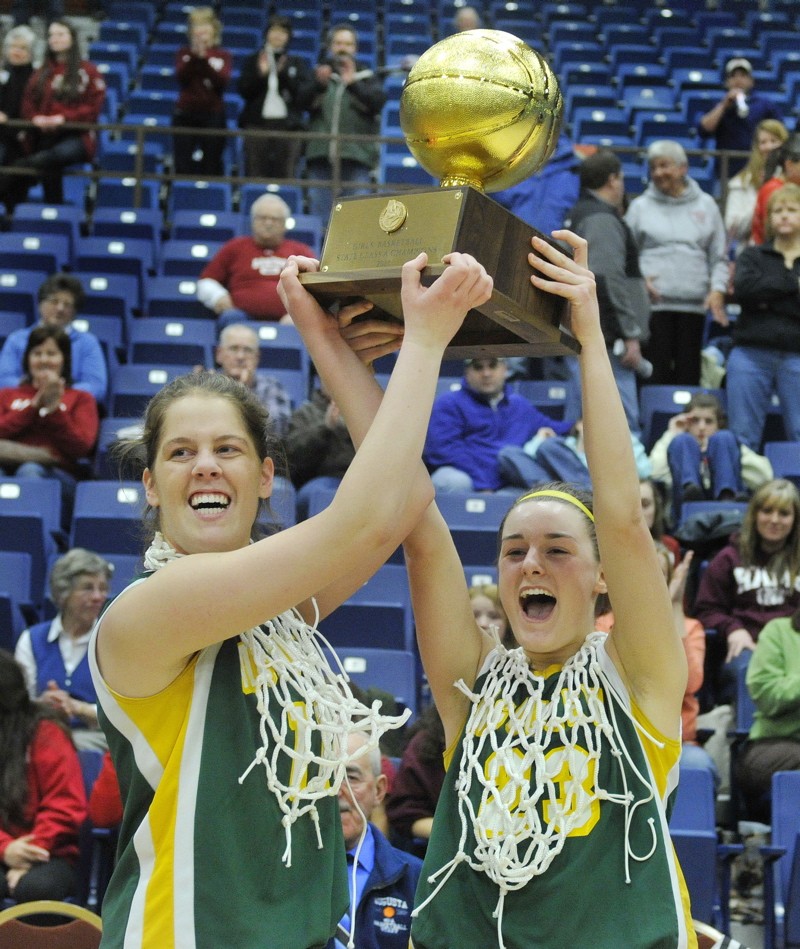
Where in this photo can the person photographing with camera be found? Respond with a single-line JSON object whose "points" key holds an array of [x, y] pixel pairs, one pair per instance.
{"points": [[345, 96]]}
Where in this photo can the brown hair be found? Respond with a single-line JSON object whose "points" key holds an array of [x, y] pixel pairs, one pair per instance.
{"points": [[781, 492], [580, 494], [39, 335], [753, 171], [789, 192], [70, 89], [139, 453]]}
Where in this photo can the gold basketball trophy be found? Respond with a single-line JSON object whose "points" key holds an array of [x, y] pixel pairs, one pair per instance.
{"points": [[481, 111]]}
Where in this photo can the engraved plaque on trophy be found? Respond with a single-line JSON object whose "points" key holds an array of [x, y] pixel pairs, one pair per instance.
{"points": [[480, 111]]}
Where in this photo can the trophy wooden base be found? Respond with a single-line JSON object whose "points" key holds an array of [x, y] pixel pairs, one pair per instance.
{"points": [[370, 238]]}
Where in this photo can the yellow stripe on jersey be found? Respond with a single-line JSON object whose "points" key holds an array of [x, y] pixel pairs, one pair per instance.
{"points": [[662, 760]]}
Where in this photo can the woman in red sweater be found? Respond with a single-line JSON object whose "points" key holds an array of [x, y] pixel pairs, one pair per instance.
{"points": [[42, 799], [46, 426], [65, 89], [203, 70]]}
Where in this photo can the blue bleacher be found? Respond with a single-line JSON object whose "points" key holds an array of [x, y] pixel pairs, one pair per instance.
{"points": [[10, 322], [18, 291], [175, 296], [206, 225], [132, 387], [24, 251], [180, 258], [200, 196], [122, 193], [107, 517], [171, 340], [140, 224], [126, 256], [32, 218]]}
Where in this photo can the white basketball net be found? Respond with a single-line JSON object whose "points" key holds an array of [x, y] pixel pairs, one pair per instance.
{"points": [[504, 753], [287, 661]]}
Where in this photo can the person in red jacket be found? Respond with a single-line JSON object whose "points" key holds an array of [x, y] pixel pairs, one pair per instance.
{"points": [[203, 70], [65, 89], [42, 798], [105, 801], [46, 426]]}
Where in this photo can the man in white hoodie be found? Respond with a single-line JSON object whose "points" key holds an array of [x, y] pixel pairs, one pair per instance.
{"points": [[680, 237]]}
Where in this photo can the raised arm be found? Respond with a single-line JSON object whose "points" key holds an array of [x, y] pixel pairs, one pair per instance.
{"points": [[645, 645], [205, 598]]}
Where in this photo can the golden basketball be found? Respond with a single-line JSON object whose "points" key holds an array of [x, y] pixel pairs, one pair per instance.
{"points": [[481, 108]]}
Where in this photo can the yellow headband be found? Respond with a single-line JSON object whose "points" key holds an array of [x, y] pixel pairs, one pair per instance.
{"points": [[559, 494]]}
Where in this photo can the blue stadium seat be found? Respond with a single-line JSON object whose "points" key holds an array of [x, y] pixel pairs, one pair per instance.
{"points": [[200, 196], [18, 291], [15, 596], [364, 620], [582, 73], [641, 74], [42, 495], [175, 296], [131, 256], [655, 17], [106, 467], [25, 532], [690, 508], [121, 157], [649, 126], [168, 33], [206, 225], [686, 57], [116, 77], [403, 169], [785, 830], [626, 34], [474, 521], [391, 670], [576, 53], [238, 17], [162, 54], [785, 459], [21, 251], [151, 103], [648, 97], [109, 295], [633, 53], [10, 322], [693, 831], [589, 121], [127, 33], [48, 219], [295, 381], [109, 330], [283, 507], [126, 53], [122, 193], [139, 224], [171, 340], [132, 387], [107, 517], [281, 347], [306, 228], [548, 396], [134, 11], [186, 258], [697, 78], [572, 31], [156, 79], [705, 19], [596, 97], [668, 37]]}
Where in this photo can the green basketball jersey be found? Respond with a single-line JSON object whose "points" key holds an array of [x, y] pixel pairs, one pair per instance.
{"points": [[581, 901], [199, 853]]}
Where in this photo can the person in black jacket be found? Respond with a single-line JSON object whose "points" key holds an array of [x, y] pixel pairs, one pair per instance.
{"points": [[270, 84], [16, 70], [766, 353]]}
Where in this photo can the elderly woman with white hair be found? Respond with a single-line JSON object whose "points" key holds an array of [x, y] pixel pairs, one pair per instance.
{"points": [[53, 654], [680, 236], [17, 68]]}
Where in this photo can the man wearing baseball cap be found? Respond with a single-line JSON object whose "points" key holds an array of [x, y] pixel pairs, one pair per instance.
{"points": [[734, 118]]}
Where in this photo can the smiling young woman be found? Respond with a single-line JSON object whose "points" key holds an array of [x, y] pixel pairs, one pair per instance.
{"points": [[206, 668], [562, 752]]}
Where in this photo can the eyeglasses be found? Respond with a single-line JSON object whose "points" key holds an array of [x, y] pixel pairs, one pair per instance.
{"points": [[241, 350]]}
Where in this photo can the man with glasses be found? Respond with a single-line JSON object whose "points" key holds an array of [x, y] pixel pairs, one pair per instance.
{"points": [[241, 281], [237, 356], [59, 299]]}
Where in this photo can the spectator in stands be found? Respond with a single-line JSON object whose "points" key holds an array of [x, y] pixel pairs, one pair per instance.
{"points": [[773, 680], [755, 578], [343, 96], [621, 290], [18, 46], [470, 425], [65, 89], [734, 118], [701, 459], [681, 242], [384, 876], [743, 188], [203, 70], [652, 497], [42, 800], [488, 612], [241, 282], [105, 800], [544, 199], [59, 299], [556, 458], [766, 335], [53, 655], [271, 84], [467, 18], [237, 355], [782, 167], [47, 426], [318, 448]]}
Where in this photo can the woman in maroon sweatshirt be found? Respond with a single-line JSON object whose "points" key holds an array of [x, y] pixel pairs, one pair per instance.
{"points": [[65, 89], [203, 70], [42, 798], [754, 579]]}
